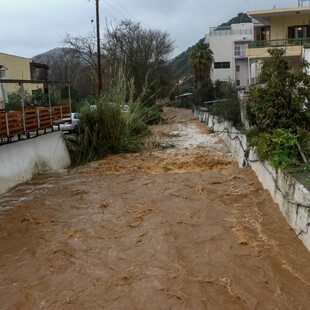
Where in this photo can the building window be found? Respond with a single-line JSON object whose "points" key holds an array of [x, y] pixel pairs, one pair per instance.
{"points": [[2, 72], [238, 68], [262, 33], [238, 83], [222, 65], [298, 32], [240, 50]]}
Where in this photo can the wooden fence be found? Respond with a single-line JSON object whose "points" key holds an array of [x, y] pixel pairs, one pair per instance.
{"points": [[23, 122]]}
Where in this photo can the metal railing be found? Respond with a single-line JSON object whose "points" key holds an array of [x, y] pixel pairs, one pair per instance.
{"points": [[23, 122], [228, 31], [279, 43]]}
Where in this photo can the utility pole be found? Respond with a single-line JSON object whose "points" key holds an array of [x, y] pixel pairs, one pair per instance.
{"points": [[98, 50]]}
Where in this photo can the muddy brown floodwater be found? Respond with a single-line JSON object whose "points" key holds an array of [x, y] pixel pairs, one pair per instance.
{"points": [[176, 228]]}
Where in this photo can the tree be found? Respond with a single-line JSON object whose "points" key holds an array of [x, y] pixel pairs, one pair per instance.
{"points": [[86, 48], [143, 52], [279, 111], [283, 100], [228, 107], [201, 59], [66, 64]]}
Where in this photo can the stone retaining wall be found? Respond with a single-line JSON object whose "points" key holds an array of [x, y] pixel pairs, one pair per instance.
{"points": [[291, 196]]}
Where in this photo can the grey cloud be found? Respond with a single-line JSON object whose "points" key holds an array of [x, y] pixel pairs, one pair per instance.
{"points": [[34, 26]]}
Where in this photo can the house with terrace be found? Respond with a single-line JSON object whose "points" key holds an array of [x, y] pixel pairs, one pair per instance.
{"points": [[229, 44], [19, 72], [287, 28]]}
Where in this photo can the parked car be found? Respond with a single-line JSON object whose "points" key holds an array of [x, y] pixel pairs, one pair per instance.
{"points": [[125, 108], [69, 124]]}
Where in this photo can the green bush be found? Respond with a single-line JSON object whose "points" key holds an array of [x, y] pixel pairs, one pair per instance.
{"points": [[15, 100], [229, 108], [106, 129], [278, 147], [37, 99]]}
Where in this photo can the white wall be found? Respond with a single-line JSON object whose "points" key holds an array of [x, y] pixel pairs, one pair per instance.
{"points": [[222, 43], [222, 47], [243, 74], [292, 197], [306, 55], [21, 160]]}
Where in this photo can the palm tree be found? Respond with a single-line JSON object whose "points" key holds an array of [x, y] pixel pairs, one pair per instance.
{"points": [[201, 59]]}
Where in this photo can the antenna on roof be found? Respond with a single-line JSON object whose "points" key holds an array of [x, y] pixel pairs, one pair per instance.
{"points": [[301, 2]]}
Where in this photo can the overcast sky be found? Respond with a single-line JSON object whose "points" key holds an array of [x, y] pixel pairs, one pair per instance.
{"points": [[31, 27]]}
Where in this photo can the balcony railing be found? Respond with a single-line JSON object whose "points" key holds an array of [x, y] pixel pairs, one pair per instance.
{"points": [[279, 43], [227, 31]]}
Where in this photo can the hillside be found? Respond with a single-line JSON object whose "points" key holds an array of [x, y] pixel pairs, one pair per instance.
{"points": [[240, 18], [180, 66]]}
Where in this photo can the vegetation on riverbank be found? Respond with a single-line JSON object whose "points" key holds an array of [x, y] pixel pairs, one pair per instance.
{"points": [[279, 113], [106, 128]]}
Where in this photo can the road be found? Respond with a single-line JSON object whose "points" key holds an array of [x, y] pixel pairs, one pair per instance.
{"points": [[180, 226]]}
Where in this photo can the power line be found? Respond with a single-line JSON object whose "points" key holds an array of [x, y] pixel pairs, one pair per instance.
{"points": [[115, 9], [124, 9]]}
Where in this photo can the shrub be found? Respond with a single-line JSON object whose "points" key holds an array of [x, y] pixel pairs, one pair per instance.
{"points": [[37, 99], [106, 129], [278, 147], [229, 108]]}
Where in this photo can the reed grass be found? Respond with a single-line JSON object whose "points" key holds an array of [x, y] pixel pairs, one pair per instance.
{"points": [[105, 129]]}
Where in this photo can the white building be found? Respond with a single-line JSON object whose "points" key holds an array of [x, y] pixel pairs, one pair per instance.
{"points": [[228, 44]]}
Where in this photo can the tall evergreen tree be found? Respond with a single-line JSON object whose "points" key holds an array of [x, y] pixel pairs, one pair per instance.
{"points": [[201, 59]]}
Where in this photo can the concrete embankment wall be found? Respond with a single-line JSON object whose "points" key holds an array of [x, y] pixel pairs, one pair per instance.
{"points": [[291, 196], [21, 160]]}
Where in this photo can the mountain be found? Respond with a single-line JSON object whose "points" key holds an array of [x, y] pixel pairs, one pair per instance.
{"points": [[57, 51], [240, 18], [179, 65]]}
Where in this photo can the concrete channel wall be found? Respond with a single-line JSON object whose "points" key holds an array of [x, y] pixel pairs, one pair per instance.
{"points": [[291, 196], [21, 160]]}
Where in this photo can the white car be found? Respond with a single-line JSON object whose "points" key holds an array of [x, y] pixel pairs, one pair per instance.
{"points": [[69, 124], [125, 108]]}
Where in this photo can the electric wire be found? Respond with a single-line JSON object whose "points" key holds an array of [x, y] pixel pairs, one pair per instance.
{"points": [[115, 9], [124, 9]]}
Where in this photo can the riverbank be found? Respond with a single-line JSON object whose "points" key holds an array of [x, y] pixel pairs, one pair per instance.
{"points": [[292, 197], [179, 226]]}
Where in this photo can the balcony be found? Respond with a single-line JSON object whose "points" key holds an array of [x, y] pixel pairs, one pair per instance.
{"points": [[228, 31], [293, 47]]}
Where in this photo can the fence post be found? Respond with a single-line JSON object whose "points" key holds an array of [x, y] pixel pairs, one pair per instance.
{"points": [[23, 105], [38, 117], [49, 104], [69, 91], [7, 124]]}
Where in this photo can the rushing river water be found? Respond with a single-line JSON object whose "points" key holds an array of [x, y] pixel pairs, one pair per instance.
{"points": [[178, 228]]}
